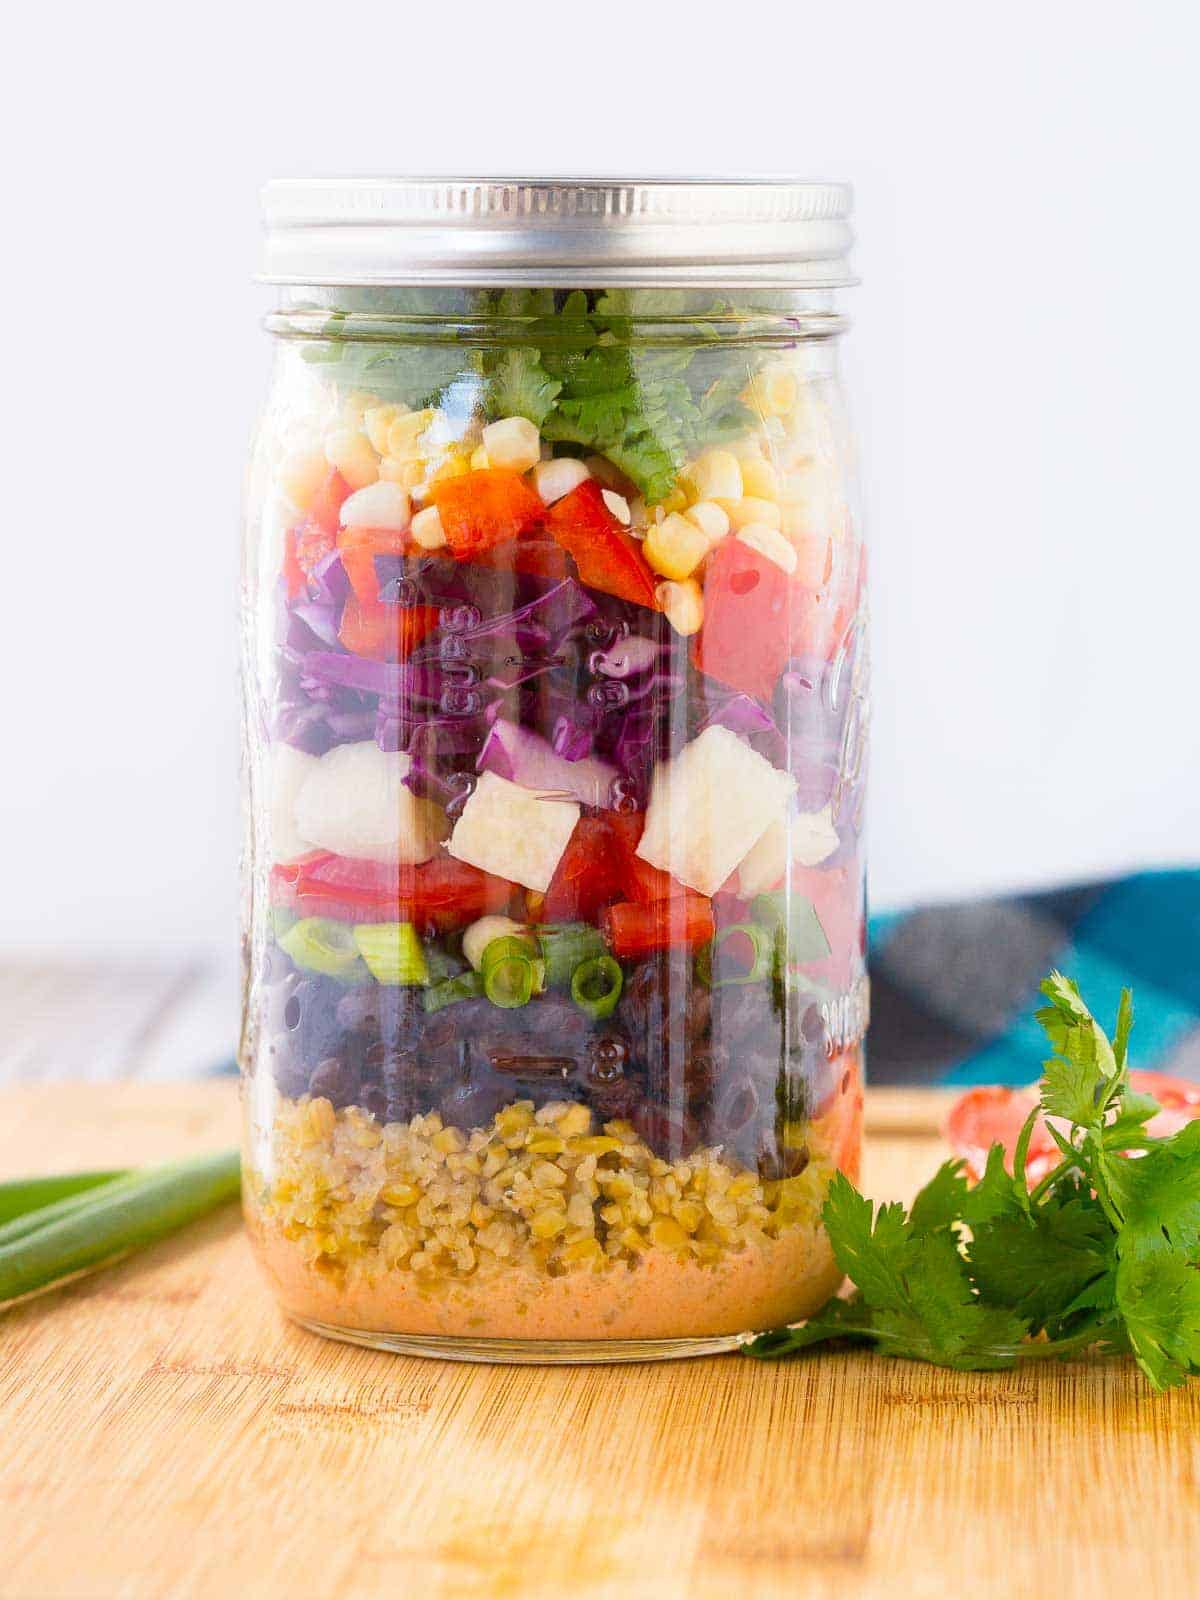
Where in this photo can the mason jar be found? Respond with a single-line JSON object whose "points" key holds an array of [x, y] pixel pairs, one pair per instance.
{"points": [[555, 717]]}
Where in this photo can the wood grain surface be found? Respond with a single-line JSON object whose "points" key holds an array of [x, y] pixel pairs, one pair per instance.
{"points": [[163, 1432]]}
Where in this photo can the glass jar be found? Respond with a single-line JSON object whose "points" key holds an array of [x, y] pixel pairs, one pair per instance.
{"points": [[555, 712]]}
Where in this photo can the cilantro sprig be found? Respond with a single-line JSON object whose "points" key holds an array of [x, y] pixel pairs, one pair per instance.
{"points": [[646, 378], [1102, 1253]]}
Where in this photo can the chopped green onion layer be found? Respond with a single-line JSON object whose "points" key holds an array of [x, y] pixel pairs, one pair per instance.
{"points": [[321, 945], [596, 987], [512, 971], [743, 952], [466, 986], [566, 947], [113, 1219], [392, 951], [33, 1194], [510, 982], [801, 936]]}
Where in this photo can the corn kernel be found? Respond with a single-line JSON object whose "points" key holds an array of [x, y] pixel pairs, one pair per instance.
{"points": [[617, 505], [427, 530], [377, 420], [773, 393], [545, 1224], [682, 604], [404, 431], [395, 469], [677, 500], [480, 460], [399, 1194], [351, 453], [453, 467], [379, 505], [554, 479], [769, 542], [688, 1215], [302, 477], [710, 519], [742, 512], [449, 1139], [675, 547], [716, 475], [759, 479], [513, 442]]}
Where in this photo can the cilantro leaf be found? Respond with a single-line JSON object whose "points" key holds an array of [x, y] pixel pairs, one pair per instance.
{"points": [[1104, 1252], [940, 1203], [874, 1251], [519, 386], [1039, 1263], [1159, 1298], [1158, 1197], [1074, 1033]]}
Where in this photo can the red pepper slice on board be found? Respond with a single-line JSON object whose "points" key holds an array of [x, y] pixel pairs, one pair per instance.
{"points": [[993, 1115]]}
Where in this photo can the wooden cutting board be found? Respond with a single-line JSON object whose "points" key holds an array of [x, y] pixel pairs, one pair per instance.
{"points": [[163, 1432]]}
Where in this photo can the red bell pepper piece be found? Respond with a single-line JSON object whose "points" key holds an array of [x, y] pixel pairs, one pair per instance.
{"points": [[439, 895], [648, 885], [484, 508], [311, 544], [358, 548], [633, 931], [384, 632], [326, 507], [590, 873], [533, 556], [744, 641], [821, 617], [293, 572], [608, 558]]}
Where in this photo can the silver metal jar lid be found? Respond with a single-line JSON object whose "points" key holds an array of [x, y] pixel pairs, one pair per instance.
{"points": [[557, 232]]}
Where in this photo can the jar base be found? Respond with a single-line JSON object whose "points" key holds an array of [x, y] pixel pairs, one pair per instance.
{"points": [[528, 1352]]}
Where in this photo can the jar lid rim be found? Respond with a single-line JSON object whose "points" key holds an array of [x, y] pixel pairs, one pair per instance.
{"points": [[765, 231]]}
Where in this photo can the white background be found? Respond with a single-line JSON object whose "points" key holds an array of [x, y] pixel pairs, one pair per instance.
{"points": [[1023, 367]]}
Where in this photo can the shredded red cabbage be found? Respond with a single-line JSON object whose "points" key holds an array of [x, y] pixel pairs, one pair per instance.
{"points": [[524, 757]]}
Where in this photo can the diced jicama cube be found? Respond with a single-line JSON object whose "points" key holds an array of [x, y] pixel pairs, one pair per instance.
{"points": [[513, 832], [709, 807], [803, 838], [355, 803], [290, 769], [813, 837]]}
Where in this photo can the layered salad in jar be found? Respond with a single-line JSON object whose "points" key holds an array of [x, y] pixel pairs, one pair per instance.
{"points": [[555, 712]]}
